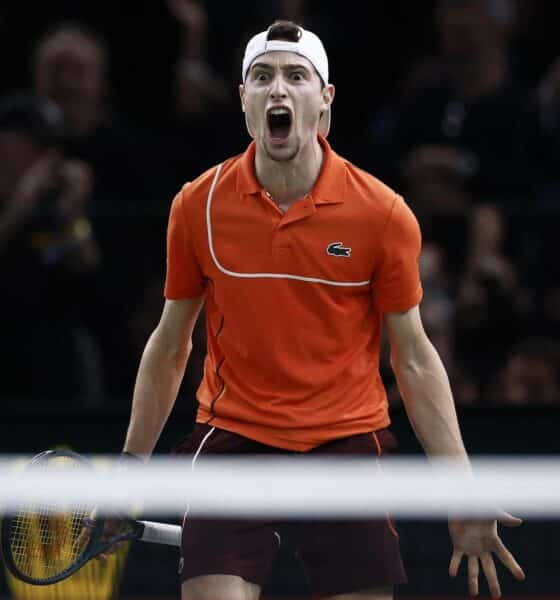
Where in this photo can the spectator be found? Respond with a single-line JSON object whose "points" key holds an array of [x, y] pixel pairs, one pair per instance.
{"points": [[437, 304], [70, 66], [438, 310], [47, 258], [543, 139], [459, 137], [205, 117], [491, 304], [530, 376], [130, 189]]}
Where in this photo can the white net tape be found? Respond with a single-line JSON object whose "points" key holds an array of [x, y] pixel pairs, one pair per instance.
{"points": [[301, 486]]}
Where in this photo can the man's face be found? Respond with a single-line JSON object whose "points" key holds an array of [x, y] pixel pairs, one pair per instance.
{"points": [[466, 31], [69, 69], [283, 98]]}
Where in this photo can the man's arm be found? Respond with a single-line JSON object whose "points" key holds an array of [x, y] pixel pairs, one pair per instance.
{"points": [[428, 400], [160, 374], [424, 386], [31, 187]]}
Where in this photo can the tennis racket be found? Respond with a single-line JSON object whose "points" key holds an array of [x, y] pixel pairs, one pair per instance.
{"points": [[42, 545]]}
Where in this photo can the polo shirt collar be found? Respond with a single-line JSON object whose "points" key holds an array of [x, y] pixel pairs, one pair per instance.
{"points": [[330, 187], [246, 181]]}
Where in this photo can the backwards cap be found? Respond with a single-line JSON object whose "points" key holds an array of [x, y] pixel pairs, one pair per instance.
{"points": [[308, 45]]}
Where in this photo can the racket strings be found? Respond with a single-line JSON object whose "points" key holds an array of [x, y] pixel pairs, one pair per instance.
{"points": [[45, 542]]}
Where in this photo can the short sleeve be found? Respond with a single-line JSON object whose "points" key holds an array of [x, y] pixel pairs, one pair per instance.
{"points": [[396, 282], [184, 277]]}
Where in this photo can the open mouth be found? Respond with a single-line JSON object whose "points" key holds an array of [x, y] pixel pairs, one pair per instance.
{"points": [[279, 123]]}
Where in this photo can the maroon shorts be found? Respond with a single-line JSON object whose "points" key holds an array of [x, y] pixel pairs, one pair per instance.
{"points": [[337, 556]]}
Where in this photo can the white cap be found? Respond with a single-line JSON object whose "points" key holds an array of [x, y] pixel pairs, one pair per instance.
{"points": [[309, 46]]}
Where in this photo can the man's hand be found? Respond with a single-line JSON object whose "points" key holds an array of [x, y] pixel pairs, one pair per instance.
{"points": [[112, 527], [477, 539], [76, 179], [191, 14], [37, 180]]}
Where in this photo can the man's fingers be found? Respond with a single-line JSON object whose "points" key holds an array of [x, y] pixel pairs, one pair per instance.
{"points": [[508, 520], [106, 554], [87, 526], [508, 560], [491, 576], [473, 575], [455, 562], [82, 538]]}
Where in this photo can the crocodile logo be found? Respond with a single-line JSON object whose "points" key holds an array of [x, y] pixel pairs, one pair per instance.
{"points": [[338, 249]]}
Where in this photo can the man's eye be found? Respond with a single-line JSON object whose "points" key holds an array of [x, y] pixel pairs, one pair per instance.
{"points": [[261, 77]]}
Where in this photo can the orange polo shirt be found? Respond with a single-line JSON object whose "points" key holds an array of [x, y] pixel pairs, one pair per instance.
{"points": [[294, 301]]}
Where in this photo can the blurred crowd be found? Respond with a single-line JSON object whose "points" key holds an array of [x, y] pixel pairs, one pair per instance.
{"points": [[468, 134]]}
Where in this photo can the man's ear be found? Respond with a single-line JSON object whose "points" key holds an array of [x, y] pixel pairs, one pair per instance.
{"points": [[328, 95], [242, 96]]}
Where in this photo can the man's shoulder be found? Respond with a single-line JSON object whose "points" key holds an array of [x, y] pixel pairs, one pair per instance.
{"points": [[199, 188], [365, 186]]}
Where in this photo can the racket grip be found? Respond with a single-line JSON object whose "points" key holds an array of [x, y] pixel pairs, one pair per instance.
{"points": [[161, 533]]}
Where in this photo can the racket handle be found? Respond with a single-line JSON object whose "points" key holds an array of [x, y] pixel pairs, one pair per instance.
{"points": [[161, 533]]}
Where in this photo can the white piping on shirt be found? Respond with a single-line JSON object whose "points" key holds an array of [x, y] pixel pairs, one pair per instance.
{"points": [[261, 275], [198, 451]]}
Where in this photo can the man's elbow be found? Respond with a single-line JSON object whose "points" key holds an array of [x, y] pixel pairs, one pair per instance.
{"points": [[406, 366], [173, 350], [415, 360]]}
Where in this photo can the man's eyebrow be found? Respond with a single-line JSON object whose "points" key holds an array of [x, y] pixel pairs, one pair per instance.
{"points": [[261, 65], [292, 66], [286, 67]]}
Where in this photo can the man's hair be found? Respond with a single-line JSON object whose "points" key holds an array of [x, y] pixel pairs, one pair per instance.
{"points": [[287, 31], [76, 28]]}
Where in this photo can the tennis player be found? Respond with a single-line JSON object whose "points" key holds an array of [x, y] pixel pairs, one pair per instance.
{"points": [[300, 257]]}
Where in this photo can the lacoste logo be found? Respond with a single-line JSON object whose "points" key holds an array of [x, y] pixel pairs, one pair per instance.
{"points": [[338, 249]]}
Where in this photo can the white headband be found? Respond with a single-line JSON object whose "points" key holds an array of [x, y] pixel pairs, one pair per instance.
{"points": [[309, 46]]}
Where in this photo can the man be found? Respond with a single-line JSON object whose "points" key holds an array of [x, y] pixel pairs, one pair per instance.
{"points": [[299, 256], [460, 136], [48, 258], [71, 67]]}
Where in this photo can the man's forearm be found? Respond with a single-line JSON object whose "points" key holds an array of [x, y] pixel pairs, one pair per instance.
{"points": [[428, 400], [159, 377]]}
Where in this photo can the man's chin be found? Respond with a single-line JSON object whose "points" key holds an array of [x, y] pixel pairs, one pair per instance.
{"points": [[281, 152]]}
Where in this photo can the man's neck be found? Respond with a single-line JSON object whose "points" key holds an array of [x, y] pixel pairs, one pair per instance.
{"points": [[288, 181]]}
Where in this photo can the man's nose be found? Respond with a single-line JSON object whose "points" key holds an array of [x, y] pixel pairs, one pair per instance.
{"points": [[278, 88]]}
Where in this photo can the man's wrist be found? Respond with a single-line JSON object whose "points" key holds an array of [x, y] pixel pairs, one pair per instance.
{"points": [[125, 455], [127, 459], [125, 463]]}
